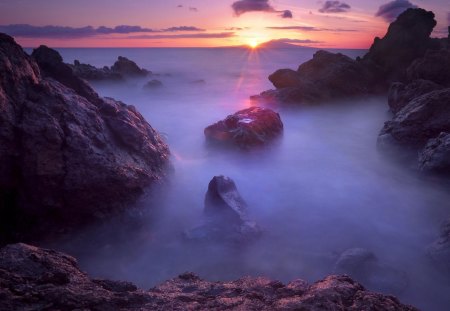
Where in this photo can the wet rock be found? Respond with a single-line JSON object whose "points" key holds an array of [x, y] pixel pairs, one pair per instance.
{"points": [[401, 94], [425, 117], [153, 84], [92, 73], [407, 39], [127, 67], [226, 215], [246, 128], [435, 157], [364, 266], [434, 66], [27, 274], [439, 251], [68, 157]]}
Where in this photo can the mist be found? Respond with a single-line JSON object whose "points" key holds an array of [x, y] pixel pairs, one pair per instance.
{"points": [[321, 189]]}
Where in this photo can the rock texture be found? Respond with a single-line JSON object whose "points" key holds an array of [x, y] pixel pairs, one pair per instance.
{"points": [[435, 157], [246, 128], [121, 69], [434, 66], [68, 157], [37, 279], [439, 251], [226, 215]]}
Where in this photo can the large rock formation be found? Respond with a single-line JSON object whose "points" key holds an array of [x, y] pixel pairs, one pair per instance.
{"points": [[67, 156], [36, 279], [331, 76], [246, 128], [226, 215], [434, 66]]}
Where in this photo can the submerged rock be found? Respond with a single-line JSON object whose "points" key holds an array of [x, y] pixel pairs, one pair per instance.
{"points": [[246, 128], [92, 73], [127, 67], [401, 94], [226, 215], [34, 279], [153, 84], [364, 266], [68, 156], [435, 157]]}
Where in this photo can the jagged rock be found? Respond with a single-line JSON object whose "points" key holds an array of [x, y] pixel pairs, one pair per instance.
{"points": [[246, 128], [439, 251], [127, 67], [407, 39], [364, 266], [401, 94], [68, 157], [92, 73], [226, 215], [435, 157], [152, 84], [434, 66], [425, 117], [37, 279]]}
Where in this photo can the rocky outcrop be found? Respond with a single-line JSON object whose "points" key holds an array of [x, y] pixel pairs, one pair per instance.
{"points": [[434, 66], [439, 251], [121, 69], [68, 157], [330, 76], [37, 279], [435, 157], [364, 266], [401, 94], [425, 117], [246, 128], [153, 84], [226, 215]]}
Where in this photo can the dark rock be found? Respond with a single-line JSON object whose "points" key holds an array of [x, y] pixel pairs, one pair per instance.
{"points": [[285, 78], [407, 39], [435, 157], [434, 66], [152, 84], [226, 212], [127, 67], [24, 272], [401, 94], [439, 251], [425, 117], [91, 73], [68, 157], [364, 266], [246, 128]]}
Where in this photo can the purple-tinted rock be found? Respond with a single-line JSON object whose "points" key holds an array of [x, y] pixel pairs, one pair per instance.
{"points": [[434, 66], [435, 157], [127, 67]]}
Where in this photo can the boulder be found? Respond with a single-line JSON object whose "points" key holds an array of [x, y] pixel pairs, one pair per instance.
{"points": [[435, 157], [153, 84], [400, 94], [285, 78], [246, 128], [92, 73], [68, 156], [127, 67], [36, 279], [434, 66], [425, 117], [407, 39], [364, 266], [439, 251], [226, 215]]}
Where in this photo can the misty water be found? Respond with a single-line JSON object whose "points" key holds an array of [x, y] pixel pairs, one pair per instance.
{"points": [[323, 188]]}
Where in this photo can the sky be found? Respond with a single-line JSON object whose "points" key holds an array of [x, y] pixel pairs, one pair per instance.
{"points": [[206, 23]]}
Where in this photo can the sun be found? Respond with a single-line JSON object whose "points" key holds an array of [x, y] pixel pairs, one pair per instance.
{"points": [[253, 43]]}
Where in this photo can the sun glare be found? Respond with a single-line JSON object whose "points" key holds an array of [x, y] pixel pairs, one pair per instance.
{"points": [[253, 43]]}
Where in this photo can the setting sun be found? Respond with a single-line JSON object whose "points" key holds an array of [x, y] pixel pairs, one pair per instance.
{"points": [[253, 43]]}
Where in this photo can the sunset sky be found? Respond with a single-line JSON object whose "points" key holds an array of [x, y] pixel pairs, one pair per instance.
{"points": [[205, 23]]}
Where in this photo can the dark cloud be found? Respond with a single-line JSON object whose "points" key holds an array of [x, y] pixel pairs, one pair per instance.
{"points": [[29, 31], [245, 6], [179, 6], [192, 9], [286, 14], [310, 28], [448, 18], [334, 7], [183, 28], [283, 41], [391, 10], [187, 36]]}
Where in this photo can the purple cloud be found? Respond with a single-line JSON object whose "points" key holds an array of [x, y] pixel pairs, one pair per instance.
{"points": [[334, 7], [391, 10], [183, 28], [244, 6], [187, 36], [286, 14], [309, 28]]}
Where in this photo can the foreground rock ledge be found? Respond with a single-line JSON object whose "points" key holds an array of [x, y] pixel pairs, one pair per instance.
{"points": [[32, 278]]}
